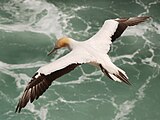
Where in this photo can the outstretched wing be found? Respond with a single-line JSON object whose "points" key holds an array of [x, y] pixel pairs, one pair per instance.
{"points": [[111, 30], [48, 73]]}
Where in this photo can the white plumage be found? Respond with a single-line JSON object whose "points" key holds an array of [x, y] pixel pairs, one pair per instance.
{"points": [[102, 39], [93, 51]]}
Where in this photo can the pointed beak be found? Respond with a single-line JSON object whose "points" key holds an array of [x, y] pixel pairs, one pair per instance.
{"points": [[52, 51]]}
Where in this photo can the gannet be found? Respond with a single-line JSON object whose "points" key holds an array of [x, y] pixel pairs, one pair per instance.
{"points": [[93, 51]]}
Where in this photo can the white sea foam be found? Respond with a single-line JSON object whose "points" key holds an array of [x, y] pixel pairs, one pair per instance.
{"points": [[48, 24], [33, 15], [124, 109], [137, 30], [42, 113], [21, 66], [145, 6], [156, 27]]}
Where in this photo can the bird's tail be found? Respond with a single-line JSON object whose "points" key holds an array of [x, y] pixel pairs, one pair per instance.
{"points": [[119, 75]]}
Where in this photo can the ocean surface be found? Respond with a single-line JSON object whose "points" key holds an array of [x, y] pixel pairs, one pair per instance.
{"points": [[28, 30]]}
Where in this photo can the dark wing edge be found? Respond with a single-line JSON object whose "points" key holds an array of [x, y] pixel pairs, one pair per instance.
{"points": [[124, 23], [120, 75], [37, 86]]}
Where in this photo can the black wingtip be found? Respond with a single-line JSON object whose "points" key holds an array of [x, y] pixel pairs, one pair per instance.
{"points": [[123, 78], [18, 108], [136, 20], [127, 82]]}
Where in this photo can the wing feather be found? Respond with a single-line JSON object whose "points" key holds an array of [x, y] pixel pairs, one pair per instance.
{"points": [[44, 77], [111, 30]]}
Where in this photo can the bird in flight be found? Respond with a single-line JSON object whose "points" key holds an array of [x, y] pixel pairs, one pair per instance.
{"points": [[92, 51]]}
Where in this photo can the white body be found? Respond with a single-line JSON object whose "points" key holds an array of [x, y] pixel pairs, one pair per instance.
{"points": [[93, 50]]}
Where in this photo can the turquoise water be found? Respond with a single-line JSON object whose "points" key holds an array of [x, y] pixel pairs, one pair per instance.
{"points": [[28, 29]]}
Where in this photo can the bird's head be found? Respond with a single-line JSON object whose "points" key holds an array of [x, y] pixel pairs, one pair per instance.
{"points": [[62, 42]]}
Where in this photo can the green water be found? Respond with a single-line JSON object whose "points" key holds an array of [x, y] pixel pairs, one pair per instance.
{"points": [[28, 30]]}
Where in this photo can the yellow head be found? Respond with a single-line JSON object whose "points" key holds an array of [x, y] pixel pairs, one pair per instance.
{"points": [[62, 42]]}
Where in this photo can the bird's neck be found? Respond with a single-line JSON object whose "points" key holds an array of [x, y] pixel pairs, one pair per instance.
{"points": [[73, 44]]}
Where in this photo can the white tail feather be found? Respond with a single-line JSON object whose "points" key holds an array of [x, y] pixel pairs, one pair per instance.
{"points": [[114, 77], [119, 75]]}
